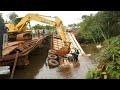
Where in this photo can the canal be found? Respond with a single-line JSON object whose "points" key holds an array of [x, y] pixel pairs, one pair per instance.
{"points": [[37, 68]]}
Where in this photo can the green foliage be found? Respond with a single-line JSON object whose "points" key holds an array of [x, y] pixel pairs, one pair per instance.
{"points": [[12, 16], [92, 74], [38, 27], [112, 48], [113, 58], [73, 25], [96, 74], [1, 18], [48, 27], [99, 27], [110, 59]]}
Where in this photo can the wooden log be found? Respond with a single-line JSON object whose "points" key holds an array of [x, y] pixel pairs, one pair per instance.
{"points": [[15, 62]]}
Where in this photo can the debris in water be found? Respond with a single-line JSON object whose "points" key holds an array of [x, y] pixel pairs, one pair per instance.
{"points": [[4, 70]]}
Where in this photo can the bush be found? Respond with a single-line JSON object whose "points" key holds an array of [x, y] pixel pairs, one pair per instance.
{"points": [[110, 61]]}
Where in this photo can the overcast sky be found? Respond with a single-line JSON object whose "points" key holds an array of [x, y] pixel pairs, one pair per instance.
{"points": [[68, 17]]}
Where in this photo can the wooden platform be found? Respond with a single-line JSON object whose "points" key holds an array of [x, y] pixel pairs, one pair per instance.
{"points": [[57, 43], [12, 45], [24, 48]]}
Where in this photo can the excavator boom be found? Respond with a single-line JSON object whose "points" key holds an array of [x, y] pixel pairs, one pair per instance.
{"points": [[20, 27]]}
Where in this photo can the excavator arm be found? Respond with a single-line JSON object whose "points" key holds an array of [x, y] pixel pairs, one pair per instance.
{"points": [[39, 18], [30, 17]]}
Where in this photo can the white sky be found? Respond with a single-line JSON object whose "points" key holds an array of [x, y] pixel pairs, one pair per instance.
{"points": [[68, 17]]}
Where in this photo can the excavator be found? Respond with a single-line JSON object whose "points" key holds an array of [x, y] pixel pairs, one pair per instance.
{"points": [[20, 24], [18, 30]]}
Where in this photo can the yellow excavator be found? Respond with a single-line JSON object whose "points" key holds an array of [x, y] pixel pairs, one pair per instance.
{"points": [[20, 24], [18, 30]]}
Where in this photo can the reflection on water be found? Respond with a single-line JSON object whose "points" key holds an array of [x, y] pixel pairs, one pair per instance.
{"points": [[37, 68], [91, 49], [37, 60], [70, 71], [61, 72]]}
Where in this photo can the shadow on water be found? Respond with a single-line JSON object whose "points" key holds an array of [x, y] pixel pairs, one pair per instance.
{"points": [[37, 60]]}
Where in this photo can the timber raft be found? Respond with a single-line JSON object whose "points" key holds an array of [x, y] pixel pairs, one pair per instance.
{"points": [[24, 48], [56, 44]]}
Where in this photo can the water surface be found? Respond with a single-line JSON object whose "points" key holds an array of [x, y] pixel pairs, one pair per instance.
{"points": [[37, 68]]}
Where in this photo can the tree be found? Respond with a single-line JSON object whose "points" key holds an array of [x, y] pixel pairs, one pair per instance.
{"points": [[1, 18], [1, 34], [73, 25], [38, 26], [48, 27], [103, 25], [12, 16]]}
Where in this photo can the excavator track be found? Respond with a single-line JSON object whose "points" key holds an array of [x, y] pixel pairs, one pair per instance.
{"points": [[19, 37]]}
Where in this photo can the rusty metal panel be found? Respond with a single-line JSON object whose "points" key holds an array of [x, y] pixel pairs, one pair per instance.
{"points": [[7, 50], [30, 45]]}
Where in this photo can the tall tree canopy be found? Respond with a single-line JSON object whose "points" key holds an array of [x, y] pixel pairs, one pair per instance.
{"points": [[103, 25], [1, 18], [38, 26], [12, 16]]}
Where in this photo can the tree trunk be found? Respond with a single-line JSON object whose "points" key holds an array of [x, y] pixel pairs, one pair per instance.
{"points": [[1, 38]]}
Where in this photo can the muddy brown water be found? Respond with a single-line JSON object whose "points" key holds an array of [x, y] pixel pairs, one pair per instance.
{"points": [[37, 68]]}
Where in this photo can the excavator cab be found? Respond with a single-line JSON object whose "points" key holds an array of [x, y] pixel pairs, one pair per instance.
{"points": [[13, 35], [17, 20]]}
